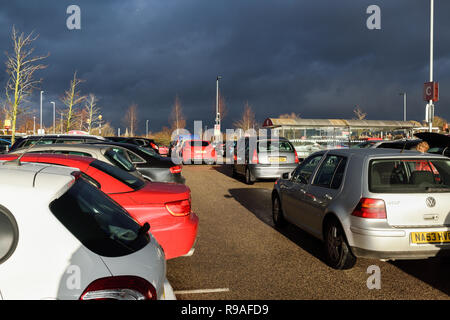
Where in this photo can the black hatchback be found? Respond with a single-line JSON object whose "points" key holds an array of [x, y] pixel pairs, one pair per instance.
{"points": [[150, 164], [28, 141]]}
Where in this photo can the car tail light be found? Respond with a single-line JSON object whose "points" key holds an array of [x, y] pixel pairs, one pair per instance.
{"points": [[296, 156], [119, 288], [370, 209], [179, 208], [154, 146], [175, 169], [255, 157]]}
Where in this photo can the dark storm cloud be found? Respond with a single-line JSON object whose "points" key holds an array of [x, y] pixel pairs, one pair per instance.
{"points": [[314, 58]]}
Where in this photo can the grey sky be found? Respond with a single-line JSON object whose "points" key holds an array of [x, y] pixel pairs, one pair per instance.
{"points": [[314, 58]]}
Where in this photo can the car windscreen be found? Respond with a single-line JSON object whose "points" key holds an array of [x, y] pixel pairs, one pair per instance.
{"points": [[119, 158], [119, 174], [275, 146], [409, 175], [99, 223]]}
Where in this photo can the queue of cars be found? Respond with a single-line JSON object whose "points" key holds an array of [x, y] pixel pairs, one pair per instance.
{"points": [[383, 200], [90, 219]]}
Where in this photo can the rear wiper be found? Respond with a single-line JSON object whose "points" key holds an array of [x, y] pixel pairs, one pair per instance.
{"points": [[437, 189], [144, 229]]}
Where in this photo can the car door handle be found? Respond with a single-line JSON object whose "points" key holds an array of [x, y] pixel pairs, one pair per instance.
{"points": [[328, 197]]}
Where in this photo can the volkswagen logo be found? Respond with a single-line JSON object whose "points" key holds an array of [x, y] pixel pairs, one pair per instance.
{"points": [[431, 202]]}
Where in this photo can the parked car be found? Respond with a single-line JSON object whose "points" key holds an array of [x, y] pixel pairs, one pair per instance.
{"points": [[439, 143], [265, 158], [369, 203], [143, 142], [305, 148], [150, 164], [27, 141], [5, 145], [114, 155], [68, 240], [196, 151], [166, 207]]}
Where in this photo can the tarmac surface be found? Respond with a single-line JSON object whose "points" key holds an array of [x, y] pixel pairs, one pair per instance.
{"points": [[239, 255]]}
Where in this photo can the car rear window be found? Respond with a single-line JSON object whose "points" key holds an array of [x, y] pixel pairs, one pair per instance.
{"points": [[409, 175], [98, 222], [196, 143], [148, 151], [275, 146], [119, 158], [32, 142], [121, 175]]}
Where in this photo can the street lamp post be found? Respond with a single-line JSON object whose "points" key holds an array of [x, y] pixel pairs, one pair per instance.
{"points": [[100, 125], [146, 128], [431, 106], [404, 104], [40, 120], [34, 124], [217, 107], [54, 117]]}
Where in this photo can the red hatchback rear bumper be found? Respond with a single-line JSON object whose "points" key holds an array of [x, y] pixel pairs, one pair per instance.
{"points": [[177, 238]]}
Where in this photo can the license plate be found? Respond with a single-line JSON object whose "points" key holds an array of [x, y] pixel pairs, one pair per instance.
{"points": [[277, 159], [430, 237]]}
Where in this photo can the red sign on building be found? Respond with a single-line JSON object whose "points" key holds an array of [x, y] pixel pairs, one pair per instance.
{"points": [[431, 91]]}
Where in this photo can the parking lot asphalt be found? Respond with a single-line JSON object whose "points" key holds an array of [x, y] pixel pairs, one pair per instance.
{"points": [[240, 255]]}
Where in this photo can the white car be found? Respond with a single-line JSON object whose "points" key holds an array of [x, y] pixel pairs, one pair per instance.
{"points": [[62, 238]]}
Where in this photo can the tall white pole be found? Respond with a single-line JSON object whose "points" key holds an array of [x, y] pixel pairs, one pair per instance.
{"points": [[404, 107], [54, 117], [146, 128], [431, 108], [40, 125]]}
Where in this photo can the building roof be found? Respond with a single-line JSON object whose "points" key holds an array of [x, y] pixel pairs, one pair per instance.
{"points": [[338, 123]]}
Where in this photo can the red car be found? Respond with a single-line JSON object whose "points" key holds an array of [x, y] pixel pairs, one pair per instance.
{"points": [[165, 206], [193, 151]]}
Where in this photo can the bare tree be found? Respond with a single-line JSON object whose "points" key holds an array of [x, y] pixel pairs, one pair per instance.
{"points": [[131, 118], [248, 119], [360, 115], [71, 99], [289, 116], [20, 67], [92, 111], [176, 118]]}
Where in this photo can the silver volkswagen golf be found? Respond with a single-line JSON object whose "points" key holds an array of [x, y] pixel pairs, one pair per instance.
{"points": [[370, 203]]}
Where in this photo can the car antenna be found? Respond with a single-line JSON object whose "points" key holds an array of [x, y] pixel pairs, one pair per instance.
{"points": [[16, 162]]}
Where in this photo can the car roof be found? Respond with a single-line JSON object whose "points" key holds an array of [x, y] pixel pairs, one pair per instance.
{"points": [[64, 146], [63, 135], [381, 152], [44, 177], [56, 156]]}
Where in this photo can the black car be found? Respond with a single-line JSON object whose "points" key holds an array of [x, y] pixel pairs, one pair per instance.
{"points": [[28, 141], [150, 164], [438, 143], [143, 142]]}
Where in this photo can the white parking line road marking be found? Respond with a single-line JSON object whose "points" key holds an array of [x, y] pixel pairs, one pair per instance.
{"points": [[202, 291]]}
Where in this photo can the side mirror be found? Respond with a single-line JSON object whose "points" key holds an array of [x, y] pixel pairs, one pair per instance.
{"points": [[286, 176]]}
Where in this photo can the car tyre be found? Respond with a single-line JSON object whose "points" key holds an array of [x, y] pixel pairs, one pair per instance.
{"points": [[337, 250], [277, 213], [249, 177]]}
